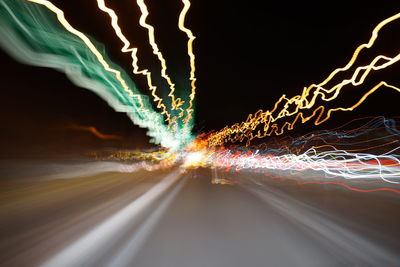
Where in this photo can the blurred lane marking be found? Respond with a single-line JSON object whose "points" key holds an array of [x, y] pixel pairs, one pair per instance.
{"points": [[66, 171], [85, 251], [351, 246], [129, 251]]}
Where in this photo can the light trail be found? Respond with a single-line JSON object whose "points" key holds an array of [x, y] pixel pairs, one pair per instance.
{"points": [[60, 16], [376, 87], [176, 102], [352, 188], [133, 51], [332, 159], [95, 132], [336, 154], [335, 163], [191, 37], [305, 101], [36, 32]]}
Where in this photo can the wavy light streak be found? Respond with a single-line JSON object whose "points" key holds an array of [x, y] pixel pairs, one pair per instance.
{"points": [[191, 37], [176, 102], [133, 51], [307, 99]]}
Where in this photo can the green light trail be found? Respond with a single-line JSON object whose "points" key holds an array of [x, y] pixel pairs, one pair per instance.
{"points": [[32, 34]]}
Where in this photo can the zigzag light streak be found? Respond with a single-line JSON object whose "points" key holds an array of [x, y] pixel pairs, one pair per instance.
{"points": [[191, 37], [133, 51], [307, 100], [176, 102]]}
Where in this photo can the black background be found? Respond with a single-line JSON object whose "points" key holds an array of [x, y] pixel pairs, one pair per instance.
{"points": [[248, 53]]}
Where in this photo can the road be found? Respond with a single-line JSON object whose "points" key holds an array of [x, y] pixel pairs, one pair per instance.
{"points": [[168, 218]]}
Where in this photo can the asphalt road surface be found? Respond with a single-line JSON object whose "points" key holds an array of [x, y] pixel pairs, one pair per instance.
{"points": [[100, 214]]}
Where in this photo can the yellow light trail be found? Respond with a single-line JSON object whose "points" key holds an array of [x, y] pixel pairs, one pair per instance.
{"points": [[176, 102], [60, 16], [133, 51], [244, 130], [363, 98], [370, 43], [191, 37]]}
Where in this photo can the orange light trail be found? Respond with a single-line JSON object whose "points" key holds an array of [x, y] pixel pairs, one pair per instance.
{"points": [[307, 100], [95, 132]]}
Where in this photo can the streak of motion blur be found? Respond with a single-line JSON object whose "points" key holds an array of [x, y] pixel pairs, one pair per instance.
{"points": [[196, 198]]}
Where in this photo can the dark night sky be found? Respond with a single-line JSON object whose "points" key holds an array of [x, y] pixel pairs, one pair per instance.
{"points": [[247, 56]]}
